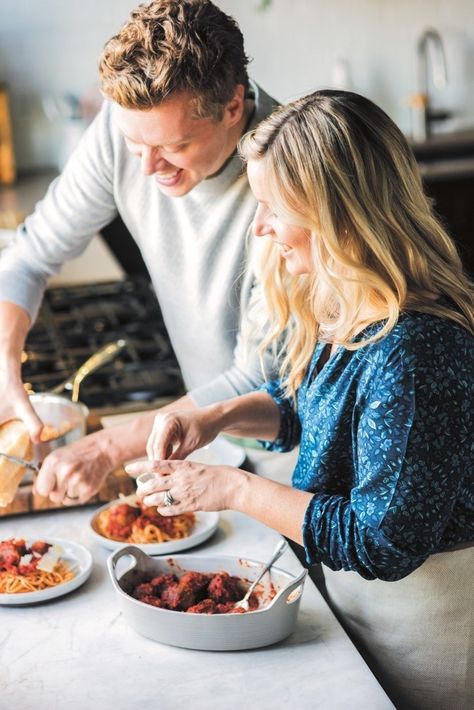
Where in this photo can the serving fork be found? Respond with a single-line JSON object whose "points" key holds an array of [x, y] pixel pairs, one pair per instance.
{"points": [[21, 462], [277, 553]]}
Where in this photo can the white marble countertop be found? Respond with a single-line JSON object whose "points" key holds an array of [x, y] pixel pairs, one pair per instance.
{"points": [[77, 651]]}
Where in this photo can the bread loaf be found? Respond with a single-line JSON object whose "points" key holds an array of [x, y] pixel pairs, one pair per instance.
{"points": [[14, 440]]}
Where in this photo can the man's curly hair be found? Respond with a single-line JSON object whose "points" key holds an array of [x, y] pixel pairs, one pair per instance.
{"points": [[173, 46]]}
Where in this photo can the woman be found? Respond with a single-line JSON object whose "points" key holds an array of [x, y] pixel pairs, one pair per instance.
{"points": [[373, 318]]}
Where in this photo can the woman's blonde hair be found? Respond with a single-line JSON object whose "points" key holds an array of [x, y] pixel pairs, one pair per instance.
{"points": [[337, 165]]}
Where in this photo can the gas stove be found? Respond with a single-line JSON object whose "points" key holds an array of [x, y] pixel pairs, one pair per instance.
{"points": [[75, 321]]}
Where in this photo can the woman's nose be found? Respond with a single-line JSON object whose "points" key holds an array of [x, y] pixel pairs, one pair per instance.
{"points": [[261, 227]]}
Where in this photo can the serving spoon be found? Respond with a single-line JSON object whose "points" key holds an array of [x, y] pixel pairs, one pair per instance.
{"points": [[277, 553]]}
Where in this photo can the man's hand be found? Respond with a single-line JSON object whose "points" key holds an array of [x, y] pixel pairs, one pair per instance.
{"points": [[72, 474], [14, 402]]}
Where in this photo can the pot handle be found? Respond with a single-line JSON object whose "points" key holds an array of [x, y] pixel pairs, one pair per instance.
{"points": [[288, 594], [130, 551], [98, 359]]}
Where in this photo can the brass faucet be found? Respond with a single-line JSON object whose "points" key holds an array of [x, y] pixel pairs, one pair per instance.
{"points": [[426, 115]]}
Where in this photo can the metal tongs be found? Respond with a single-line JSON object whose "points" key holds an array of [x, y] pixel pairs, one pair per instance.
{"points": [[21, 462]]}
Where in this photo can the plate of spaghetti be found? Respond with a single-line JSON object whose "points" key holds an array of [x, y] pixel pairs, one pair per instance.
{"points": [[127, 521], [33, 571]]}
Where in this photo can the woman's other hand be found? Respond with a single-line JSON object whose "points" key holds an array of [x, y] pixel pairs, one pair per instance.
{"points": [[176, 435]]}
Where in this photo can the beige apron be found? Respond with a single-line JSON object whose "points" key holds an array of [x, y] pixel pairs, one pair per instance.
{"points": [[417, 633]]}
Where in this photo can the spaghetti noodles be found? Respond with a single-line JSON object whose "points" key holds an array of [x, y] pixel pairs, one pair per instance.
{"points": [[142, 525], [20, 567]]}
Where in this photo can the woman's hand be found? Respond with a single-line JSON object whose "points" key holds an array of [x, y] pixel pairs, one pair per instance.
{"points": [[195, 486], [177, 434], [192, 486]]}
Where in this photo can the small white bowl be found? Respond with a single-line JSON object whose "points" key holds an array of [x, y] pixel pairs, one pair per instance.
{"points": [[274, 621]]}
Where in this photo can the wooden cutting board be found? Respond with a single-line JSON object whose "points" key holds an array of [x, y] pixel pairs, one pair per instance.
{"points": [[26, 501]]}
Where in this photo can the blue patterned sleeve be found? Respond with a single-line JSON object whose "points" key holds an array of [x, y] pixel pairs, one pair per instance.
{"points": [[290, 429], [412, 434]]}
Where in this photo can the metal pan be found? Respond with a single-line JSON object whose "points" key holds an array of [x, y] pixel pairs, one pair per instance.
{"points": [[59, 411]]}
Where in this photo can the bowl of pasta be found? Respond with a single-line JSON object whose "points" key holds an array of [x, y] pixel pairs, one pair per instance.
{"points": [[190, 601], [127, 521], [37, 570]]}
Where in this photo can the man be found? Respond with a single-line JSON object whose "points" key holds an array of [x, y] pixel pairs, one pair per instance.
{"points": [[162, 154]]}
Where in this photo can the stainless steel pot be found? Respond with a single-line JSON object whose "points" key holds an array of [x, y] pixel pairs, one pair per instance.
{"points": [[59, 411]]}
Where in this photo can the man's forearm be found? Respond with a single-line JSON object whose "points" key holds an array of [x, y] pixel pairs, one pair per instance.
{"points": [[14, 325], [127, 441]]}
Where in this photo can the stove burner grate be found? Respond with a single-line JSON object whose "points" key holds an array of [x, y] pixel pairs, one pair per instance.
{"points": [[75, 321]]}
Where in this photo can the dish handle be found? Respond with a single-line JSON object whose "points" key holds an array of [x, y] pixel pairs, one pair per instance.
{"points": [[135, 553], [292, 592]]}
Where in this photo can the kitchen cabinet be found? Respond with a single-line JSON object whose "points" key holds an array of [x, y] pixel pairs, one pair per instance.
{"points": [[454, 204], [447, 166]]}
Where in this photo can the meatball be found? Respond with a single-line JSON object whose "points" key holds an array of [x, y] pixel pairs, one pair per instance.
{"points": [[224, 588], [145, 589], [206, 606], [40, 547], [10, 553], [161, 582], [150, 599], [172, 597], [121, 519]]}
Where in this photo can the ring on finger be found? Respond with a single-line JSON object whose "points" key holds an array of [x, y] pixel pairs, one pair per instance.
{"points": [[168, 499]]}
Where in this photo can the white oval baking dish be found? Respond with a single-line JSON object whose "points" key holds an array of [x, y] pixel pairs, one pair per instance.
{"points": [[217, 632]]}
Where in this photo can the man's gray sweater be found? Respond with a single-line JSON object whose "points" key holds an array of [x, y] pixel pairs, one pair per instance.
{"points": [[195, 248]]}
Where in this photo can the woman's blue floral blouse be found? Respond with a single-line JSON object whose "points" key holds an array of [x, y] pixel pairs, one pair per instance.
{"points": [[386, 443]]}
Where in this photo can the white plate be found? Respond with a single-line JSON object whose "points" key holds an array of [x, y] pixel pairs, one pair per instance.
{"points": [[206, 524], [75, 555]]}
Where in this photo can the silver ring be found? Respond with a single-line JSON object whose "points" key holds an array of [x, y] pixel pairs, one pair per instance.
{"points": [[72, 497], [168, 499]]}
